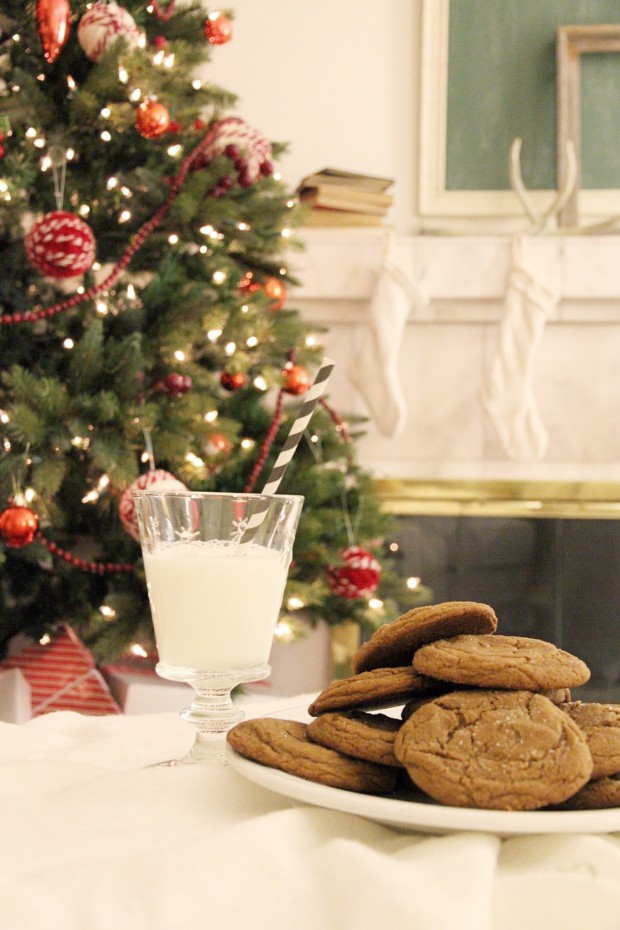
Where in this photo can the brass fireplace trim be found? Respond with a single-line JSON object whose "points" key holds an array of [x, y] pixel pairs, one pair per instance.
{"points": [[569, 500]]}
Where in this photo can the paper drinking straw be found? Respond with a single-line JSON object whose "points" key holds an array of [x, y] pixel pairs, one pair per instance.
{"points": [[287, 452]]}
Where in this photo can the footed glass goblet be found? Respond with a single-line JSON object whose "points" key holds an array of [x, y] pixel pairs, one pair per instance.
{"points": [[215, 588]]}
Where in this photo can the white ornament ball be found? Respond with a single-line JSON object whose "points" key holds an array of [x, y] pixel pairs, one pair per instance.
{"points": [[60, 245], [102, 25], [252, 144], [156, 480]]}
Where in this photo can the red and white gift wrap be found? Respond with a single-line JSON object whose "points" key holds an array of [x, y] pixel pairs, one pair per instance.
{"points": [[357, 576], [102, 25], [62, 676], [155, 480], [60, 245], [252, 145]]}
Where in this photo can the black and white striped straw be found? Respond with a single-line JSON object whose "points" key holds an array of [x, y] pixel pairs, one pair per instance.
{"points": [[287, 452]]}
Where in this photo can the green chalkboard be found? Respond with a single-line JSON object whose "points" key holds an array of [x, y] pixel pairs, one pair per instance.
{"points": [[501, 84]]}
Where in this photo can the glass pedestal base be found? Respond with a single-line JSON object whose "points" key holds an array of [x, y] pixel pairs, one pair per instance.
{"points": [[213, 712]]}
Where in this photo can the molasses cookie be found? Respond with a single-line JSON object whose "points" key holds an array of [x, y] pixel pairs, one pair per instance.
{"points": [[284, 745], [600, 723], [358, 734], [374, 690], [394, 644], [514, 662], [503, 750], [601, 793]]}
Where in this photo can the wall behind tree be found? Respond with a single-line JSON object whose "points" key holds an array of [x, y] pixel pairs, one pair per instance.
{"points": [[335, 79]]}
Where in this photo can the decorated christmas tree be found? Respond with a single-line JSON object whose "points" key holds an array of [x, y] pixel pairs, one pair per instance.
{"points": [[147, 334]]}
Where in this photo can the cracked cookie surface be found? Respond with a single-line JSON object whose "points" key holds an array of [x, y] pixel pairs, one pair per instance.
{"points": [[514, 662], [394, 643], [358, 734], [502, 750], [600, 723], [376, 689], [284, 745]]}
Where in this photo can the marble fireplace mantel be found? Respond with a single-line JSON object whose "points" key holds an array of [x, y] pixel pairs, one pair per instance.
{"points": [[496, 359]]}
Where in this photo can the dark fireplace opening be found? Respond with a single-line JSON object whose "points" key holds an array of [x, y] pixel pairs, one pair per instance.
{"points": [[553, 579]]}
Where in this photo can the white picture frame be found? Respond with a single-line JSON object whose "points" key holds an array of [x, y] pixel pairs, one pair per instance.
{"points": [[441, 209]]}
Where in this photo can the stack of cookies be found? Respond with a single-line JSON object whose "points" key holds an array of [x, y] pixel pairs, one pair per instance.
{"points": [[476, 719]]}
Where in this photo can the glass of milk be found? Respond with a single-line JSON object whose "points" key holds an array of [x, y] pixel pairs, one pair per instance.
{"points": [[214, 595]]}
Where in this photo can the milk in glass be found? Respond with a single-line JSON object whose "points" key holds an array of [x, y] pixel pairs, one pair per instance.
{"points": [[212, 609]]}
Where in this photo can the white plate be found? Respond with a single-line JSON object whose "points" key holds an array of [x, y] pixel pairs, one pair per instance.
{"points": [[416, 816]]}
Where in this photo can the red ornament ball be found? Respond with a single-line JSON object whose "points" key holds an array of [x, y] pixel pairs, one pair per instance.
{"points": [[296, 380], [18, 526], [152, 119], [176, 384], [53, 25], [156, 480], [248, 283], [219, 443], [218, 29], [232, 381], [102, 25], [357, 576], [275, 289], [60, 245]]}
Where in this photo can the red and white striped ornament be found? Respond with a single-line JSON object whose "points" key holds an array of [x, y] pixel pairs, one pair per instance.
{"points": [[251, 145], [357, 576], [102, 25], [60, 245], [156, 480]]}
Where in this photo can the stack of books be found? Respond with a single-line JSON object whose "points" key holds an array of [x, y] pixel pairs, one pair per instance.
{"points": [[344, 198]]}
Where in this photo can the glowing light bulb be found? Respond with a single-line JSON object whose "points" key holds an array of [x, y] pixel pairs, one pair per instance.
{"points": [[124, 216], [286, 233], [173, 239], [106, 112], [180, 355], [68, 343], [259, 383], [196, 84], [108, 612], [137, 650], [375, 603], [70, 153], [111, 183], [31, 133], [123, 75], [214, 334], [211, 416], [105, 136], [230, 348], [45, 639], [294, 603], [412, 582], [84, 209], [174, 150], [135, 95], [219, 277]]}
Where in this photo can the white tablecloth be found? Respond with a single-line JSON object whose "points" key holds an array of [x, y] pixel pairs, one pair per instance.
{"points": [[93, 839]]}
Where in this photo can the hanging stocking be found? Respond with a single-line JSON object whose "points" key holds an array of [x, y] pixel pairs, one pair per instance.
{"points": [[374, 370], [508, 395]]}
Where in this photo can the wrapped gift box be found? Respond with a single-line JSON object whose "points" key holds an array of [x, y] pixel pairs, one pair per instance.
{"points": [[138, 689], [62, 676], [15, 701]]}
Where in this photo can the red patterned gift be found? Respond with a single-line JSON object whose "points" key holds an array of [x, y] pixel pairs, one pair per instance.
{"points": [[62, 676]]}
